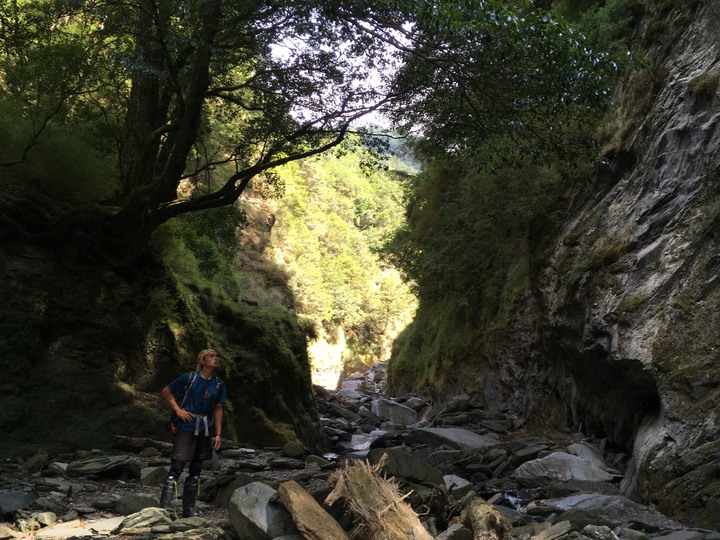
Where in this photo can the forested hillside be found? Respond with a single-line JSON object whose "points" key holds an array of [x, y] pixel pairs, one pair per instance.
{"points": [[331, 223], [178, 175], [308, 243], [482, 216]]}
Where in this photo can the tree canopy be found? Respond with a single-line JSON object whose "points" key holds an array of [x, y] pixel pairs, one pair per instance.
{"points": [[196, 98]]}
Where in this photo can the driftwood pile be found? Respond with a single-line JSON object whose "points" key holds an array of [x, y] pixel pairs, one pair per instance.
{"points": [[379, 510]]}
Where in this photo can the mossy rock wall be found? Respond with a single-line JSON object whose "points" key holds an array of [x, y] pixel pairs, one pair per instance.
{"points": [[85, 350]]}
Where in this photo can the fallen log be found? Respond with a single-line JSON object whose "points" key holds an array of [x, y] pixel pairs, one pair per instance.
{"points": [[376, 504], [313, 522], [485, 522]]}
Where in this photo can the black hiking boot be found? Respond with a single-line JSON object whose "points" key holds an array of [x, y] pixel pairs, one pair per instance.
{"points": [[168, 492], [189, 496]]}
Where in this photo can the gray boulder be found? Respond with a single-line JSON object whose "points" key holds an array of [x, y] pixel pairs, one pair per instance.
{"points": [[56, 468], [614, 508], [456, 486], [686, 534], [147, 517], [406, 466], [455, 532], [36, 462], [559, 466], [46, 518], [286, 463], [155, 476], [459, 438], [255, 516], [294, 449], [349, 395], [387, 409], [105, 467], [131, 504], [599, 532], [50, 503], [220, 490], [460, 402], [343, 412], [589, 453], [415, 403], [14, 500]]}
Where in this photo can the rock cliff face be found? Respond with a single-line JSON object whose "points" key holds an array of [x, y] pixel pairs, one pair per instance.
{"points": [[630, 295], [618, 336]]}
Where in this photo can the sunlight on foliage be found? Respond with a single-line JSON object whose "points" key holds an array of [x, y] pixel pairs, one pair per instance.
{"points": [[331, 223], [472, 237], [170, 113], [325, 239], [67, 163], [201, 248]]}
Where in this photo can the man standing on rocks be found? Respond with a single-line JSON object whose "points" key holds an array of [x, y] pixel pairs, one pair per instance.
{"points": [[197, 425]]}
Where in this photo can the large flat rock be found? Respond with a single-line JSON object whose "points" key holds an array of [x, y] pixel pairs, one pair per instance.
{"points": [[459, 438]]}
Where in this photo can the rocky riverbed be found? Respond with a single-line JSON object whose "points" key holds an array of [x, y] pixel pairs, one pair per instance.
{"points": [[549, 486]]}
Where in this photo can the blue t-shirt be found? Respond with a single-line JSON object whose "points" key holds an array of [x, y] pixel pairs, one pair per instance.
{"points": [[202, 397]]}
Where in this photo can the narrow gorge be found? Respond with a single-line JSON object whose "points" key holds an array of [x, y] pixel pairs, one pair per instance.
{"points": [[600, 325]]}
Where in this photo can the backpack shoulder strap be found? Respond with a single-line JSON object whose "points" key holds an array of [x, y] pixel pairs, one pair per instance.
{"points": [[218, 384], [187, 387]]}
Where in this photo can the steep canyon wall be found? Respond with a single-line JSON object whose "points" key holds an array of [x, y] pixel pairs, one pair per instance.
{"points": [[617, 333], [629, 296]]}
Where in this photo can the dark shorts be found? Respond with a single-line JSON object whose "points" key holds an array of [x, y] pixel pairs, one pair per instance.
{"points": [[190, 447]]}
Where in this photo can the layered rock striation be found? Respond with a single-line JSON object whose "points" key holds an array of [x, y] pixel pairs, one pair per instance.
{"points": [[616, 334], [630, 294]]}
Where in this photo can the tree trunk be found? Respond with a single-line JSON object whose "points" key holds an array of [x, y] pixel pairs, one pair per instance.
{"points": [[146, 111], [161, 132], [313, 522]]}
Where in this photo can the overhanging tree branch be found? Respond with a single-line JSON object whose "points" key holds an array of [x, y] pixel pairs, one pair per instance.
{"points": [[238, 182]]}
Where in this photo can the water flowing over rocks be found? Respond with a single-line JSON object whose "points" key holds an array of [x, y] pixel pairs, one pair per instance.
{"points": [[450, 465]]}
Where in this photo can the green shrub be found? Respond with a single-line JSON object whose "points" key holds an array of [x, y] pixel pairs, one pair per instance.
{"points": [[177, 256], [201, 247], [630, 303], [162, 305], [468, 227], [704, 85], [67, 162], [608, 25]]}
